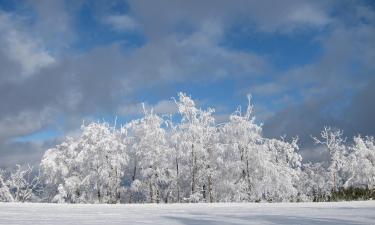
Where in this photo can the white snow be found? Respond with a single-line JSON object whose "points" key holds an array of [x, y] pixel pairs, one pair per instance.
{"points": [[218, 213]]}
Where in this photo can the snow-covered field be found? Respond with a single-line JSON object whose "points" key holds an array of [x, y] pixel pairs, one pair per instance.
{"points": [[189, 214]]}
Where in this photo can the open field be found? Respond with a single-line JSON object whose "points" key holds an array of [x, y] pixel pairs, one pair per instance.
{"points": [[189, 214]]}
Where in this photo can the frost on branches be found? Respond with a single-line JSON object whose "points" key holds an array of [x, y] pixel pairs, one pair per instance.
{"points": [[256, 168], [153, 159], [188, 157], [361, 163], [5, 195], [87, 169], [21, 185]]}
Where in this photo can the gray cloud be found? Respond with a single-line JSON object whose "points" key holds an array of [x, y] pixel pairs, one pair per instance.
{"points": [[309, 118], [13, 153], [361, 111], [121, 22], [336, 90], [269, 16], [49, 81]]}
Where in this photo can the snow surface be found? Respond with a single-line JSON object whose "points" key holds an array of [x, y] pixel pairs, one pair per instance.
{"points": [[238, 213]]}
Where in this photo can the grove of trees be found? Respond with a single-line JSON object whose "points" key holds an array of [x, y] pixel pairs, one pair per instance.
{"points": [[189, 158]]}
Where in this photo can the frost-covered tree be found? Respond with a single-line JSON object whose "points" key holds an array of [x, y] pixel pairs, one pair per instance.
{"points": [[149, 149], [57, 165], [5, 195], [24, 184], [314, 182], [241, 138], [361, 163], [333, 140], [197, 142], [174, 160], [256, 168], [89, 167], [284, 170], [188, 157], [61, 196], [103, 157]]}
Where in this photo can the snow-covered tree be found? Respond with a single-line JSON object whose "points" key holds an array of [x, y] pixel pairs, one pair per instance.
{"points": [[283, 171], [188, 157], [61, 196], [333, 140], [103, 158], [256, 168], [149, 148], [314, 182], [89, 167], [197, 142], [5, 195], [24, 184], [241, 139], [361, 163], [174, 160]]}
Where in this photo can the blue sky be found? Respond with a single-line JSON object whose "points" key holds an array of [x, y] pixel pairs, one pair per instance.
{"points": [[306, 63]]}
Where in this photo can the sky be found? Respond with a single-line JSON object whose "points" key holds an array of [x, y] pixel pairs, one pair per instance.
{"points": [[307, 64]]}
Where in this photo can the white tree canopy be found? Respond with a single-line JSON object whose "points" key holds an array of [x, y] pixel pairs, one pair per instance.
{"points": [[187, 157]]}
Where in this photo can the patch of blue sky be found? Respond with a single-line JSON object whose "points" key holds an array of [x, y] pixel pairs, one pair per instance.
{"points": [[284, 50], [223, 94], [119, 7], [43, 135], [29, 14], [220, 94], [93, 32], [8, 5]]}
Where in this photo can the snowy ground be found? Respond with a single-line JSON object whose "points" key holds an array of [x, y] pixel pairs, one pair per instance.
{"points": [[189, 214]]}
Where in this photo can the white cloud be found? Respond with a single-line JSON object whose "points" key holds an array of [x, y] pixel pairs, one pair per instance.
{"points": [[162, 107], [267, 15], [28, 53], [266, 89], [288, 18], [130, 109], [195, 56], [308, 15], [165, 107], [24, 123], [221, 118], [71, 98], [21, 48], [121, 22]]}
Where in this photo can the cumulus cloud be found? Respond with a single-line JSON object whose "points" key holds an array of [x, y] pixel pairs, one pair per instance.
{"points": [[307, 15], [266, 89], [44, 76], [24, 123], [163, 107], [333, 90], [13, 153], [24, 50], [121, 22], [269, 16], [54, 23], [27, 53]]}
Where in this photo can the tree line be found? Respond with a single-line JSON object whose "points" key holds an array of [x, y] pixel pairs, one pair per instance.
{"points": [[190, 158]]}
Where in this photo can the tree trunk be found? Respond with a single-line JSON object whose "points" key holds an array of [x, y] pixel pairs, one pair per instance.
{"points": [[133, 179], [204, 191], [178, 181], [194, 161], [248, 177], [157, 193], [151, 193], [210, 198], [157, 196]]}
